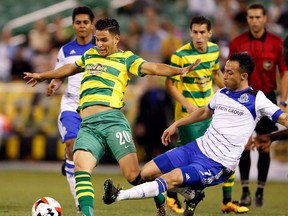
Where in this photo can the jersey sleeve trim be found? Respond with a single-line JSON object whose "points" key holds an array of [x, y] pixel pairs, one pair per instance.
{"points": [[276, 115]]}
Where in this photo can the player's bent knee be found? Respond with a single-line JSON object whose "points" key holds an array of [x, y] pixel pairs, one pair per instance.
{"points": [[150, 171], [173, 178], [84, 161], [146, 175], [132, 176]]}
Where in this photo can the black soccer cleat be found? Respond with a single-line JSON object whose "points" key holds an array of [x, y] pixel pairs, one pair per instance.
{"points": [[191, 204], [245, 199], [110, 192], [258, 200]]}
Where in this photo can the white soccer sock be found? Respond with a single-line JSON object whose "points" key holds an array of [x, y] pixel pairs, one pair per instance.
{"points": [[146, 190], [69, 168]]}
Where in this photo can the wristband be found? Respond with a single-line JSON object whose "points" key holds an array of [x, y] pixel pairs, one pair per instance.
{"points": [[283, 103]]}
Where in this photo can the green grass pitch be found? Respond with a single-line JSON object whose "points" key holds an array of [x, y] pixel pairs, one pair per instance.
{"points": [[20, 189]]}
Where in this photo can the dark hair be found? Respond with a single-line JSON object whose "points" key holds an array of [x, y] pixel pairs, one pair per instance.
{"points": [[108, 24], [82, 10], [257, 6], [246, 63], [201, 20]]}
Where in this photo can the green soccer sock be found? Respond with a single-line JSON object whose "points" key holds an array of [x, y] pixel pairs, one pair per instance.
{"points": [[87, 211], [85, 192], [159, 200], [138, 180], [227, 189]]}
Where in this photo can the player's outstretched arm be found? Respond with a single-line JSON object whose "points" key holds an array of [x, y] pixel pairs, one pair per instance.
{"points": [[159, 69], [199, 115], [279, 135], [61, 72], [178, 96], [263, 142]]}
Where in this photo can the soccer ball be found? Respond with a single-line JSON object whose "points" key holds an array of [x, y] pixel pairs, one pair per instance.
{"points": [[46, 206]]}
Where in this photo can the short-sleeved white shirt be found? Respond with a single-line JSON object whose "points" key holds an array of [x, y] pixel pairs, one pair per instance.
{"points": [[234, 120], [69, 53]]}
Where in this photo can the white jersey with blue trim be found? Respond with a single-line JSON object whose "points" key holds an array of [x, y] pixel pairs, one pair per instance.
{"points": [[69, 53], [235, 117]]}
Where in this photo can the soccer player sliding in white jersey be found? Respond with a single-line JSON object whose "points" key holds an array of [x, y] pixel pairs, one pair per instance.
{"points": [[212, 158]]}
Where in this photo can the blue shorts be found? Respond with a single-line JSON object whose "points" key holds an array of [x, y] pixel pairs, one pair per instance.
{"points": [[69, 125], [198, 170]]}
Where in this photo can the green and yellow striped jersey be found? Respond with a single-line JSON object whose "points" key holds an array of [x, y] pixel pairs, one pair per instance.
{"points": [[105, 79], [197, 85]]}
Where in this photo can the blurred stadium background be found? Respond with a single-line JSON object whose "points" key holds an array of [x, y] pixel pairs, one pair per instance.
{"points": [[28, 119]]}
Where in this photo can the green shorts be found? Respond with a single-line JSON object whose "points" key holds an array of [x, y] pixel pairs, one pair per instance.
{"points": [[108, 130], [191, 132]]}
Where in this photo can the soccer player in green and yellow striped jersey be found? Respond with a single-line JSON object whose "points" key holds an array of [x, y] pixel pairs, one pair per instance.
{"points": [[107, 72], [197, 86], [104, 83], [195, 91]]}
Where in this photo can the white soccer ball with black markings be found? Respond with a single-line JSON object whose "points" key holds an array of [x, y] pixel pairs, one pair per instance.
{"points": [[46, 206]]}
